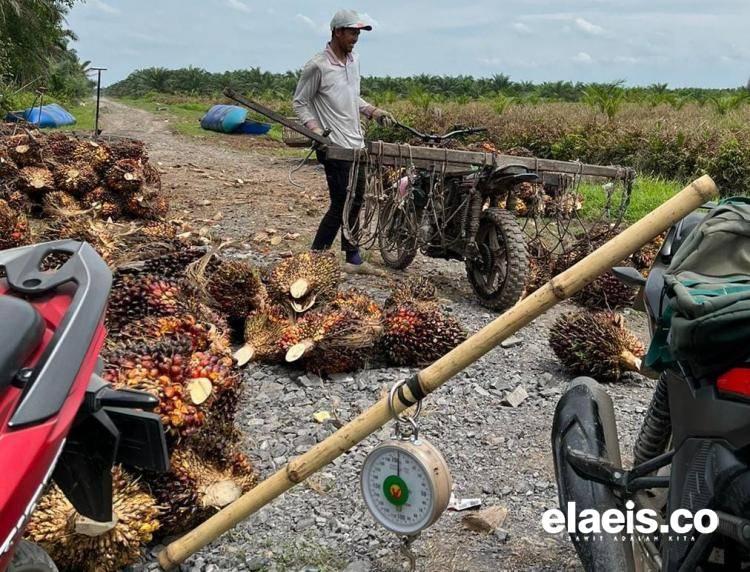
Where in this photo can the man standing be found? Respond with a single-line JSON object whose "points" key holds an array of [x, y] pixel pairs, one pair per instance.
{"points": [[327, 97]]}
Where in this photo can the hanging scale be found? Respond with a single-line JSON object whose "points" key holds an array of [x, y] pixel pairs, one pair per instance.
{"points": [[405, 481]]}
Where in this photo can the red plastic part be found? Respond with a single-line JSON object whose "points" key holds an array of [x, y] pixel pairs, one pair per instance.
{"points": [[736, 381], [28, 454]]}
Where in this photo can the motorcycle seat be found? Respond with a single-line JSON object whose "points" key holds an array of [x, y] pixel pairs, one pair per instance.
{"points": [[512, 175], [21, 332]]}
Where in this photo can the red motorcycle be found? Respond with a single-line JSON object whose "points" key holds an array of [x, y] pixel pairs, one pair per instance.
{"points": [[58, 419]]}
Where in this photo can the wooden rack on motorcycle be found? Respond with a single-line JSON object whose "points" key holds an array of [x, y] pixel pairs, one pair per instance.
{"points": [[505, 216]]}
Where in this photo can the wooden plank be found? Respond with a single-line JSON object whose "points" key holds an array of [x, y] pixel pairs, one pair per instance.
{"points": [[426, 157]]}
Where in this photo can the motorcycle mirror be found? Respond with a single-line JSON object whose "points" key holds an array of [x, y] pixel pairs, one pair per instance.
{"points": [[629, 276]]}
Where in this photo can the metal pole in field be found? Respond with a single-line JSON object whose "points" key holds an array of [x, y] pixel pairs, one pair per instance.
{"points": [[429, 379], [98, 97]]}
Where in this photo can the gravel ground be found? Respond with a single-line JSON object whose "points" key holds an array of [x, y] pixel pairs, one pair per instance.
{"points": [[497, 453]]}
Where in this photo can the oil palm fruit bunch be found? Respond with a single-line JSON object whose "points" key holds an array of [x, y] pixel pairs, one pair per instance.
{"points": [[17, 200], [162, 369], [174, 262], [105, 202], [195, 488], [125, 176], [58, 201], [418, 333], [146, 203], [329, 341], [14, 227], [234, 286], [75, 178], [606, 292], [202, 336], [35, 180], [541, 263], [54, 525], [61, 148], [644, 257], [264, 329], [127, 149], [413, 289], [8, 168], [596, 344], [357, 301], [94, 153], [159, 230], [24, 149], [301, 280], [82, 227], [135, 296]]}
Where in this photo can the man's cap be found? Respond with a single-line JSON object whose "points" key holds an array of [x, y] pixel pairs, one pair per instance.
{"points": [[349, 19]]}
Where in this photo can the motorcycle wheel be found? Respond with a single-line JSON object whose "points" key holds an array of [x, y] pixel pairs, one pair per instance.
{"points": [[498, 275], [30, 557], [397, 233]]}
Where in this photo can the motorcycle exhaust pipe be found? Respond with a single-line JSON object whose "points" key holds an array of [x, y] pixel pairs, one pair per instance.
{"points": [[584, 421]]}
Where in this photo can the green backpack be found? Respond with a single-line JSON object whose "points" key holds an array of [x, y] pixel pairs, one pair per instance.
{"points": [[706, 324]]}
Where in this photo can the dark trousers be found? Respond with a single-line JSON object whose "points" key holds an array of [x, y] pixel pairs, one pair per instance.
{"points": [[337, 176]]}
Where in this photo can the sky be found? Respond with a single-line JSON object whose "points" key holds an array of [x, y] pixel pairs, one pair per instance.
{"points": [[684, 43]]}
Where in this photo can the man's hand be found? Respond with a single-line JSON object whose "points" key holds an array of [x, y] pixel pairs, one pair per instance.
{"points": [[384, 118], [318, 130]]}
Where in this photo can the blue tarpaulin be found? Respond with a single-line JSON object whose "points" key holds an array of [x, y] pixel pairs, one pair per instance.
{"points": [[231, 119], [51, 115]]}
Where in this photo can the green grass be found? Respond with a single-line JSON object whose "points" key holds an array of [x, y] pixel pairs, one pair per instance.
{"points": [[648, 193]]}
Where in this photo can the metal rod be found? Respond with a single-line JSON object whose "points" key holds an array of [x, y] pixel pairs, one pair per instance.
{"points": [[271, 114], [98, 97], [429, 379]]}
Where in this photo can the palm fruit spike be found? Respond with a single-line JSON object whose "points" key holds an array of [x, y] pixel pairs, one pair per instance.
{"points": [[172, 264], [162, 369], [125, 176], [333, 341], [57, 202], [136, 296], [75, 178], [106, 203], [54, 523], [159, 230], [14, 227], [596, 344], [93, 153], [235, 286], [36, 180], [303, 279], [263, 331], [195, 488], [82, 227], [416, 334], [413, 289]]}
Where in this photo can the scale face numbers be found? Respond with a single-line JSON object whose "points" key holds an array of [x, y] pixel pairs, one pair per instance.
{"points": [[406, 485]]}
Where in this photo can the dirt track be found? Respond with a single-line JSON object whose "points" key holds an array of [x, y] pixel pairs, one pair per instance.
{"points": [[496, 453]]}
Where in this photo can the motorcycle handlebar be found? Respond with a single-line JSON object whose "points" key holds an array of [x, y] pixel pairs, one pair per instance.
{"points": [[433, 137]]}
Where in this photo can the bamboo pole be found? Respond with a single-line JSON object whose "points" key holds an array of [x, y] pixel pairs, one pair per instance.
{"points": [[559, 288]]}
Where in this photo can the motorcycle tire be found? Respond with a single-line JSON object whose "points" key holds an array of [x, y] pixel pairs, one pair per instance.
{"points": [[500, 240], [30, 557], [398, 246]]}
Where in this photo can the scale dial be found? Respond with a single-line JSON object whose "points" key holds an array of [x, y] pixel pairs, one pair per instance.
{"points": [[406, 485]]}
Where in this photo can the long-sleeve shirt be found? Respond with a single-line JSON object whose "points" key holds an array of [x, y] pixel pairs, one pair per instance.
{"points": [[327, 95]]}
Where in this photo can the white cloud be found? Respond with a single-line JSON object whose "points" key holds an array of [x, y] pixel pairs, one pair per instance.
{"points": [[521, 28], [307, 20], [102, 7], [240, 6], [588, 27], [583, 58], [626, 60], [320, 29]]}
